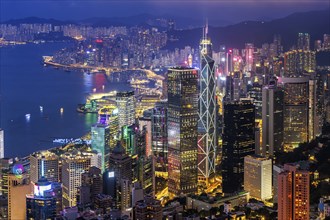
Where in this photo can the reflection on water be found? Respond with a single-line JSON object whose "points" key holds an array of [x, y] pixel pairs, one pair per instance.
{"points": [[27, 87]]}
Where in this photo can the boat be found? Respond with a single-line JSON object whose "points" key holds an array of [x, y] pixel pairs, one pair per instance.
{"points": [[41, 108], [61, 110], [27, 116]]}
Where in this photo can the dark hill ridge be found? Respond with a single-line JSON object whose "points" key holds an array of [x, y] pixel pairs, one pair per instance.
{"points": [[316, 23], [37, 20]]}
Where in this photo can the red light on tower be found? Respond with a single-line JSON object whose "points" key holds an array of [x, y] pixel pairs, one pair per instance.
{"points": [[99, 41], [230, 51]]}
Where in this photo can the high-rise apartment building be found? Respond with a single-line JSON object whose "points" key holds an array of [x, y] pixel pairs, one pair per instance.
{"points": [[258, 177], [295, 112], [238, 142], [298, 62], [44, 164], [207, 138], [249, 50], [182, 130], [272, 118], [73, 165], [126, 108], [293, 193], [303, 41]]}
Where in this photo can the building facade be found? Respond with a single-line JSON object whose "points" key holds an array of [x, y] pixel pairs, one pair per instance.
{"points": [[258, 177], [182, 130], [238, 142], [293, 193], [207, 138]]}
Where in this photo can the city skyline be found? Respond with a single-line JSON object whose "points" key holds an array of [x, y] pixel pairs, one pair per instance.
{"points": [[135, 118]]}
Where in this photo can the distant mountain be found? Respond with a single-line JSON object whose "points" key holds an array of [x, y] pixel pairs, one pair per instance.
{"points": [[36, 20], [316, 23], [118, 21]]}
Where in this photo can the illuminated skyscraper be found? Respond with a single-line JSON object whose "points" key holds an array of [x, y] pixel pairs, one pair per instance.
{"points": [[303, 41], [295, 112], [18, 188], [293, 194], [101, 142], [120, 170], [44, 164], [238, 142], [297, 62], [73, 165], [272, 118], [91, 186], [105, 133], [249, 50], [42, 203], [159, 130], [182, 130], [258, 177], [207, 138], [126, 106]]}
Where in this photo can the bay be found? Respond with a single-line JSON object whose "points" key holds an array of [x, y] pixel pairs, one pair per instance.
{"points": [[25, 85]]}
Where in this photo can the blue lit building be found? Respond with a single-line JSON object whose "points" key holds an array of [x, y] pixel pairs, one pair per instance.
{"points": [[43, 203]]}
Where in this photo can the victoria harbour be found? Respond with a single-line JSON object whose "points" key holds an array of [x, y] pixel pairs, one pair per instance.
{"points": [[28, 87]]}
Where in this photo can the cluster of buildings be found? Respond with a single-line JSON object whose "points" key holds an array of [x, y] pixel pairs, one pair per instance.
{"points": [[215, 132]]}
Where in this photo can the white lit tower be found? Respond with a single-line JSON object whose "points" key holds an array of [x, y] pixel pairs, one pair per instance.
{"points": [[206, 112]]}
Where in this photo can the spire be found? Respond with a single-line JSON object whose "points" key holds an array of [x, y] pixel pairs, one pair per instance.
{"points": [[206, 28]]}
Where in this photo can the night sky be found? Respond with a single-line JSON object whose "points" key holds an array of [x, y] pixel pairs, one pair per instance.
{"points": [[219, 12]]}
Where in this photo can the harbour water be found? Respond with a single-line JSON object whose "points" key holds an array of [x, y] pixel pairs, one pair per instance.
{"points": [[38, 104]]}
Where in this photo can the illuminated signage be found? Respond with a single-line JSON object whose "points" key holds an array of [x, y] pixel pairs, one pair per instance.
{"points": [[39, 190], [18, 170], [111, 174]]}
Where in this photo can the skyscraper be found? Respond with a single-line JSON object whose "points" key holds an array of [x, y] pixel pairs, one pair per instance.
{"points": [[42, 203], [249, 50], [18, 188], [298, 62], [258, 177], [101, 142], [303, 41], [238, 142], [91, 186], [105, 133], [44, 164], [120, 169], [159, 130], [126, 106], [272, 118], [182, 130], [293, 193], [73, 165], [295, 112], [207, 138]]}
